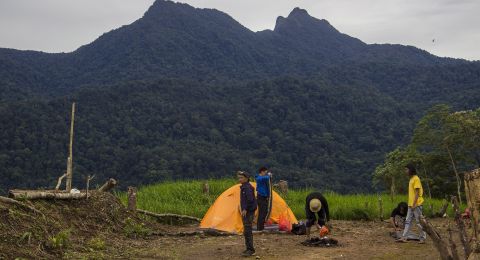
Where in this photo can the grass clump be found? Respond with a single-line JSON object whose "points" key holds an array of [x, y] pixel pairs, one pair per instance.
{"points": [[60, 241], [135, 229], [96, 243]]}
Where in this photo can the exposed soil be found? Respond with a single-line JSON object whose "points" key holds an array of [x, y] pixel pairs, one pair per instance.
{"points": [[358, 240], [125, 236]]}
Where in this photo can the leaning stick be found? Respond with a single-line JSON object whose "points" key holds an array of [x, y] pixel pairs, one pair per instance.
{"points": [[59, 182], [18, 203], [167, 215]]}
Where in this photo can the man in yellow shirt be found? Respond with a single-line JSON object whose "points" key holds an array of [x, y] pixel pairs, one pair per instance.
{"points": [[415, 204]]}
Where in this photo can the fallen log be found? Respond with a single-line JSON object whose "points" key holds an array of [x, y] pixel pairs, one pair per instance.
{"points": [[167, 215], [20, 204], [36, 194], [438, 242], [110, 184]]}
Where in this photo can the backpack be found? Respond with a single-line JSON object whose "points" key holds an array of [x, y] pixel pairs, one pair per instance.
{"points": [[299, 229]]}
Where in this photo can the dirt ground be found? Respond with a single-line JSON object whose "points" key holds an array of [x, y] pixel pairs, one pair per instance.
{"points": [[358, 240]]}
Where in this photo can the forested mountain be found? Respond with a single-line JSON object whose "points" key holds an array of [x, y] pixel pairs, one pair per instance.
{"points": [[185, 92]]}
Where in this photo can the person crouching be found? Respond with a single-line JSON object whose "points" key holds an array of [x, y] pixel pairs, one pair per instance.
{"points": [[316, 204]]}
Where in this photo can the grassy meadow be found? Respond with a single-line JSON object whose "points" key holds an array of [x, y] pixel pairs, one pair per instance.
{"points": [[187, 198]]}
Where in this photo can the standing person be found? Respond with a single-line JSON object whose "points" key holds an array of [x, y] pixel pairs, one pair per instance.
{"points": [[316, 204], [415, 204], [263, 196], [248, 205]]}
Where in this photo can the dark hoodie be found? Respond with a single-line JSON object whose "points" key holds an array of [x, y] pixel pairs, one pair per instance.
{"points": [[248, 201]]}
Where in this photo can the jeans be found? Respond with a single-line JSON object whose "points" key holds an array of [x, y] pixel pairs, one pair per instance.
{"points": [[247, 230], [262, 211], [417, 213]]}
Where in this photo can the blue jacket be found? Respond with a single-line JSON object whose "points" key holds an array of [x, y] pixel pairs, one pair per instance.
{"points": [[263, 183], [248, 201]]}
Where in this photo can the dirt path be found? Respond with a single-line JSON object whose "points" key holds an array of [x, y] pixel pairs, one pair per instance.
{"points": [[359, 240]]}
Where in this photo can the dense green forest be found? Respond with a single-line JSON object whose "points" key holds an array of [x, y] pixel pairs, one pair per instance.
{"points": [[308, 132], [191, 93]]}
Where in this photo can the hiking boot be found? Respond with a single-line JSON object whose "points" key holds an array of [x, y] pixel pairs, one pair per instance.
{"points": [[248, 253], [402, 240]]}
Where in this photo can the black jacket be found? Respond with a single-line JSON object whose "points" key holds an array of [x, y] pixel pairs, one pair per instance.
{"points": [[323, 213], [248, 201]]}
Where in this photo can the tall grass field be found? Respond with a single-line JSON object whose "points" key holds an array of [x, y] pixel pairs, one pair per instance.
{"points": [[187, 198]]}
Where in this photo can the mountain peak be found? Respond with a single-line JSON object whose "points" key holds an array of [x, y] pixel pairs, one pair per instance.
{"points": [[299, 20], [298, 13]]}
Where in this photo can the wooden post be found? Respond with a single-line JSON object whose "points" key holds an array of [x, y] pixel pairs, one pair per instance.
{"points": [[70, 152], [283, 186], [89, 178], [132, 199], [206, 188], [380, 207]]}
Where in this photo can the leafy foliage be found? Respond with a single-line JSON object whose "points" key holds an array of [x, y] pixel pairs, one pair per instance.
{"points": [[443, 144]]}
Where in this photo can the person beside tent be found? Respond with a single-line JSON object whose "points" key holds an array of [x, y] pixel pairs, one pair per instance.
{"points": [[248, 205], [225, 215], [263, 196], [415, 204], [316, 204]]}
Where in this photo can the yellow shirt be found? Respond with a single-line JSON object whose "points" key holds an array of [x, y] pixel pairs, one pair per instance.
{"points": [[412, 185]]}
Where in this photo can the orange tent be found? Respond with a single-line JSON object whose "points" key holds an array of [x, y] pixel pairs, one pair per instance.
{"points": [[225, 215]]}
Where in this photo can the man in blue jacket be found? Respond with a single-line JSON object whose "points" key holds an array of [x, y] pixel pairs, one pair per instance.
{"points": [[263, 196], [248, 205]]}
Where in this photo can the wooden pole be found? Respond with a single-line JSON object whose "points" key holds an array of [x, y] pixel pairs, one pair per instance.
{"points": [[70, 152], [132, 199]]}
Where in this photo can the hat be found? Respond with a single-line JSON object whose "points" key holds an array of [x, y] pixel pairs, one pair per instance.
{"points": [[245, 174], [315, 205]]}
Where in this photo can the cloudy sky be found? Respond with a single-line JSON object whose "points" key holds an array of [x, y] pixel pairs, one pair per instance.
{"points": [[64, 25]]}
